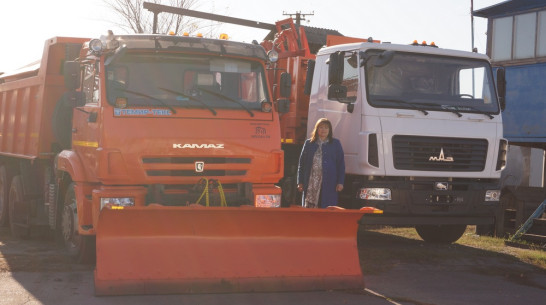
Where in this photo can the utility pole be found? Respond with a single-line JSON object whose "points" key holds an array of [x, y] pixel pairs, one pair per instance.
{"points": [[472, 38], [472, 22], [299, 16]]}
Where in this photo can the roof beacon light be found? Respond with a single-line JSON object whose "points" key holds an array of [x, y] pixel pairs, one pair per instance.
{"points": [[224, 36], [200, 35]]}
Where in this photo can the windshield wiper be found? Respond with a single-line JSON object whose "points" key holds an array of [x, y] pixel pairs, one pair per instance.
{"points": [[480, 112], [191, 98], [227, 98], [147, 96], [452, 109], [404, 103]]}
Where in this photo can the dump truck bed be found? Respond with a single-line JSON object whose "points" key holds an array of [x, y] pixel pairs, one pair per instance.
{"points": [[27, 99]]}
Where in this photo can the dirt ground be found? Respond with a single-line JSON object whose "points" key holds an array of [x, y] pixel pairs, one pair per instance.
{"points": [[397, 270], [34, 255]]}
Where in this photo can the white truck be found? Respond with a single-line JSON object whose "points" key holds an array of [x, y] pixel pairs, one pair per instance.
{"points": [[422, 133]]}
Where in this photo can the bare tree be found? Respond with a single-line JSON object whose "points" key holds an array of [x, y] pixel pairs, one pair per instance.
{"points": [[134, 18]]}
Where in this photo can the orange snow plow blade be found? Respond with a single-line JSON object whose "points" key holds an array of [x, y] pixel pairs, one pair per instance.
{"points": [[161, 250]]}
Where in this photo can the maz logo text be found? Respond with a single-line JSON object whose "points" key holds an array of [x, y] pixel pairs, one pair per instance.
{"points": [[441, 157]]}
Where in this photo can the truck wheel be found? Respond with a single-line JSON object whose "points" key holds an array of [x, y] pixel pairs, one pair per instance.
{"points": [[289, 191], [18, 215], [441, 234], [4, 191], [80, 247]]}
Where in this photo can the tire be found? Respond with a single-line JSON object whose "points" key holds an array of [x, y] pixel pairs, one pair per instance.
{"points": [[289, 191], [18, 212], [80, 247], [4, 198], [507, 210], [440, 234]]}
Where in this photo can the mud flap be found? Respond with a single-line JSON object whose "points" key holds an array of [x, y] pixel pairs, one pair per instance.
{"points": [[162, 250]]}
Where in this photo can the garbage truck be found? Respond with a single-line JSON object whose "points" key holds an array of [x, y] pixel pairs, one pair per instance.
{"points": [[421, 126], [157, 158]]}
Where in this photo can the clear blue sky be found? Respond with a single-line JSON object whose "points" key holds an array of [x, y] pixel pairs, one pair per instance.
{"points": [[26, 24]]}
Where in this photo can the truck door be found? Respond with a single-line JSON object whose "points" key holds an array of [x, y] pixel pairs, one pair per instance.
{"points": [[344, 111], [86, 121]]}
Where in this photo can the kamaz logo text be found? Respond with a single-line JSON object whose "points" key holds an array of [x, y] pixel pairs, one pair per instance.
{"points": [[441, 157], [198, 145]]}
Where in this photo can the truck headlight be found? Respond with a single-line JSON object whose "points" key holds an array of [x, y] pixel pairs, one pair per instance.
{"points": [[268, 201], [96, 46], [492, 195], [273, 56], [120, 202], [375, 193]]}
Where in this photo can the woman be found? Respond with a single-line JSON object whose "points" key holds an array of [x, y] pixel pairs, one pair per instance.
{"points": [[321, 169]]}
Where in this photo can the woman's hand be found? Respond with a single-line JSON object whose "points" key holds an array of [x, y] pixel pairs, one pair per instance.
{"points": [[339, 187], [300, 187]]}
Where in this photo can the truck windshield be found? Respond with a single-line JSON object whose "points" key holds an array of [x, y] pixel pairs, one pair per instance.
{"points": [[423, 81], [173, 81]]}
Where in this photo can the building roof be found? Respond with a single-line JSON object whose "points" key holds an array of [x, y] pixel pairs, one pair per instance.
{"points": [[509, 7]]}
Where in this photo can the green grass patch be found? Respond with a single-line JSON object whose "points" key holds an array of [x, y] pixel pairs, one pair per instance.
{"points": [[386, 247]]}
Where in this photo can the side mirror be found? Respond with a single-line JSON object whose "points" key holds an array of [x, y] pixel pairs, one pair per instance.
{"points": [[309, 77], [285, 85], [119, 52], [72, 75], [283, 105], [335, 68], [335, 76], [337, 92], [501, 87], [363, 58], [384, 59], [74, 99]]}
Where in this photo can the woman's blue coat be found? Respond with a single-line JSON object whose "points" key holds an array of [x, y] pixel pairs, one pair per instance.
{"points": [[333, 169]]}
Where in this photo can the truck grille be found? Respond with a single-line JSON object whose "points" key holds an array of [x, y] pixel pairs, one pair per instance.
{"points": [[186, 166], [439, 154]]}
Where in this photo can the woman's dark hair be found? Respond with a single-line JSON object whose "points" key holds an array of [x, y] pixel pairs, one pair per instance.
{"points": [[314, 135]]}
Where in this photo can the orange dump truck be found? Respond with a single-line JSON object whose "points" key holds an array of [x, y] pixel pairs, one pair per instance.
{"points": [[157, 157]]}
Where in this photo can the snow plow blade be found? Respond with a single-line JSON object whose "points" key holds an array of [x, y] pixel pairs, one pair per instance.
{"points": [[164, 250]]}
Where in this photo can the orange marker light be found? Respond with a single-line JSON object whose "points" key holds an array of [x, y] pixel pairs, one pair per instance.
{"points": [[121, 102]]}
